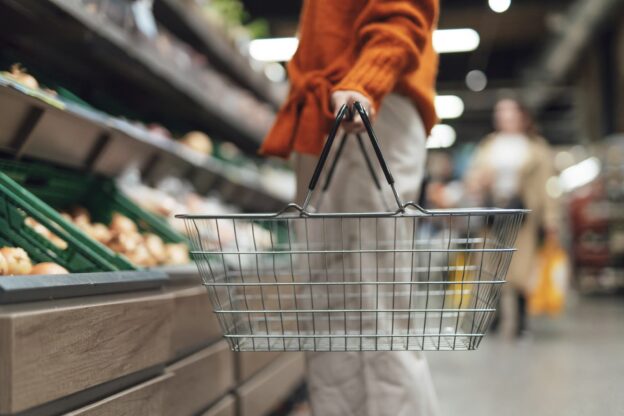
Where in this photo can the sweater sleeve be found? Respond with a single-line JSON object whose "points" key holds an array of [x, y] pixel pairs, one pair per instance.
{"points": [[392, 35]]}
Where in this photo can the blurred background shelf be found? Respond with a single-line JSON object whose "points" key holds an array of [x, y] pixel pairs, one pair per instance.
{"points": [[128, 66], [184, 19]]}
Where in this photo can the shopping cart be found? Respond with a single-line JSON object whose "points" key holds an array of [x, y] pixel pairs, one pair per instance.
{"points": [[409, 279]]}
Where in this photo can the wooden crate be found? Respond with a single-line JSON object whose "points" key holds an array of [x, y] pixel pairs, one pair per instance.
{"points": [[52, 349], [271, 386], [145, 399], [224, 407], [199, 380], [194, 324]]}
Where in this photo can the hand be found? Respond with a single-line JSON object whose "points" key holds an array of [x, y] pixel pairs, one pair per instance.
{"points": [[552, 236], [356, 125]]}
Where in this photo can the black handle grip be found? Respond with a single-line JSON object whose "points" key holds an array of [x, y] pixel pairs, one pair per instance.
{"points": [[374, 142], [328, 144], [342, 113]]}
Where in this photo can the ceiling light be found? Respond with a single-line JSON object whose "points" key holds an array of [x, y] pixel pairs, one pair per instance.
{"points": [[449, 106], [273, 50], [275, 72], [442, 136], [476, 80], [283, 49], [580, 174], [499, 6], [455, 40]]}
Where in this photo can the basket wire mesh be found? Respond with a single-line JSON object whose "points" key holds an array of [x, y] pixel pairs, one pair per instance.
{"points": [[412, 279]]}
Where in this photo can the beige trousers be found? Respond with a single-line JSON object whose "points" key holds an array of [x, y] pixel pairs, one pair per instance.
{"points": [[371, 383]]}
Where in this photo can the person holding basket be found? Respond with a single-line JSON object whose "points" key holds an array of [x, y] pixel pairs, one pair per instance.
{"points": [[378, 53]]}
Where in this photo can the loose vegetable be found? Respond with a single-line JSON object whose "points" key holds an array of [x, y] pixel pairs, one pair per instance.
{"points": [[48, 268], [17, 260]]}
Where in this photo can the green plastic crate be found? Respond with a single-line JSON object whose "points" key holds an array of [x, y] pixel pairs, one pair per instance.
{"points": [[64, 188], [82, 254]]}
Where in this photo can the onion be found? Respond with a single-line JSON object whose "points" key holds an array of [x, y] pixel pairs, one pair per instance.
{"points": [[198, 141], [80, 215], [4, 265], [58, 241], [177, 254], [20, 75], [156, 247], [122, 224], [48, 268], [67, 217], [46, 233], [37, 227], [125, 243], [17, 259], [141, 256], [99, 232]]}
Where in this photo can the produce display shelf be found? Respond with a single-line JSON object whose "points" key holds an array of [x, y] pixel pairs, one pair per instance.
{"points": [[18, 289], [41, 126], [184, 19], [153, 78]]}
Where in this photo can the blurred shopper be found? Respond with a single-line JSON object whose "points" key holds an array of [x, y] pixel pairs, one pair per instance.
{"points": [[377, 52], [509, 170]]}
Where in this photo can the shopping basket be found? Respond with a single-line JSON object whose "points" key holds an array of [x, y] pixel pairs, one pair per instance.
{"points": [[406, 279]]}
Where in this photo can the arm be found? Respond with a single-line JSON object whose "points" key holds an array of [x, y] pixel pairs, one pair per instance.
{"points": [[392, 36]]}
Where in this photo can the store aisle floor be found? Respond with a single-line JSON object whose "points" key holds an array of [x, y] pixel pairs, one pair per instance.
{"points": [[573, 366]]}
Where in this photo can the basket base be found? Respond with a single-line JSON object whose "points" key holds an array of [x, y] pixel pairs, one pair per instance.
{"points": [[338, 343]]}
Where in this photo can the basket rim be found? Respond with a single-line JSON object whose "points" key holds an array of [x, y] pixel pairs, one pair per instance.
{"points": [[294, 211]]}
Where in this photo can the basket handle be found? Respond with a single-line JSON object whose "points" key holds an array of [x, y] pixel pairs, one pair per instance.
{"points": [[342, 113]]}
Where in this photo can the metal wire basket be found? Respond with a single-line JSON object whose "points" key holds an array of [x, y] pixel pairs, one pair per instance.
{"points": [[298, 280]]}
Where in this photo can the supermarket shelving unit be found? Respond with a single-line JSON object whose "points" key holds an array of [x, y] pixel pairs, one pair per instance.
{"points": [[42, 127], [184, 19], [135, 342], [129, 65]]}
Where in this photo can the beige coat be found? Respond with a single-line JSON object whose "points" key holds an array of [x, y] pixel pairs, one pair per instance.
{"points": [[544, 209]]}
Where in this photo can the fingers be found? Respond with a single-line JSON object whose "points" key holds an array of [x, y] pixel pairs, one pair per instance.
{"points": [[340, 98]]}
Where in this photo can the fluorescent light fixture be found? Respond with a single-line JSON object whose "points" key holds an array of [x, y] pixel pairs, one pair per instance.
{"points": [[273, 49], [580, 174], [499, 6], [283, 49], [449, 106], [442, 136], [455, 40], [275, 72]]}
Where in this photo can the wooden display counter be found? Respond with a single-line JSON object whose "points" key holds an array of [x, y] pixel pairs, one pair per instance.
{"points": [[152, 352], [53, 349]]}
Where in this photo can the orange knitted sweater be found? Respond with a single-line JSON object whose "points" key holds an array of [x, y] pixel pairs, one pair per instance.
{"points": [[370, 46]]}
